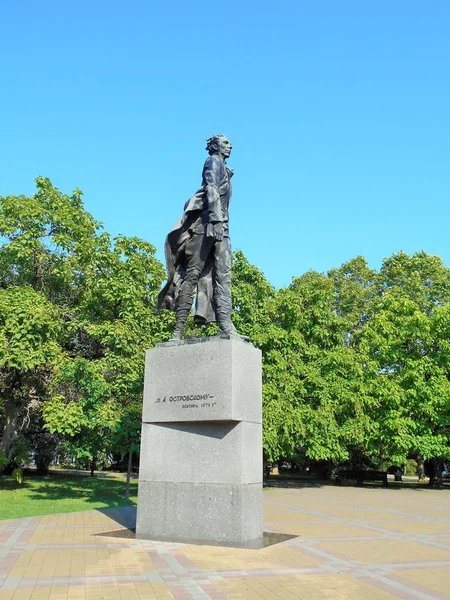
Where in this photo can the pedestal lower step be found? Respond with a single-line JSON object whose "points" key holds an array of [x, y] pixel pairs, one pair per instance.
{"points": [[199, 512]]}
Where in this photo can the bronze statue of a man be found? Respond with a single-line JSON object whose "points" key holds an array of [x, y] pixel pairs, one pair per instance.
{"points": [[198, 249]]}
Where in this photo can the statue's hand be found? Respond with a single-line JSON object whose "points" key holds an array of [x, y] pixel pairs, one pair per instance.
{"points": [[215, 230], [218, 231]]}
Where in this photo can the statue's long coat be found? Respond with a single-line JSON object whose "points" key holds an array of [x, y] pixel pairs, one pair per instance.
{"points": [[207, 206], [174, 250]]}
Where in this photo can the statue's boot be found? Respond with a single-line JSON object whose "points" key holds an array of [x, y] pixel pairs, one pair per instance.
{"points": [[180, 324], [227, 328]]}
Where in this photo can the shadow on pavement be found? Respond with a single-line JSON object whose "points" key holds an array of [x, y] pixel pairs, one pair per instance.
{"points": [[270, 538], [122, 515]]}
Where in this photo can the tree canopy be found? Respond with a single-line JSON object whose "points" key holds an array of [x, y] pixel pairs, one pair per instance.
{"points": [[76, 315], [355, 361]]}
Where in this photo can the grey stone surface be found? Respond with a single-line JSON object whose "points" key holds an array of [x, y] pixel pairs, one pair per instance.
{"points": [[201, 466], [212, 380], [199, 512], [202, 452]]}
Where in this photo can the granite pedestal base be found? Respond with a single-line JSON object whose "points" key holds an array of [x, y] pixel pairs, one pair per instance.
{"points": [[200, 477], [204, 513]]}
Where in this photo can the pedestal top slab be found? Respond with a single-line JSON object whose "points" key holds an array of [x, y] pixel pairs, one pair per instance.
{"points": [[203, 379]]}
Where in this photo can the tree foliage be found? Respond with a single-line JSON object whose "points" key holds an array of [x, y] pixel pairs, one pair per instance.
{"points": [[407, 344], [355, 362], [76, 315]]}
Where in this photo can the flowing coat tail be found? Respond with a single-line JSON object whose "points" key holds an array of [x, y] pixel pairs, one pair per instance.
{"points": [[174, 248]]}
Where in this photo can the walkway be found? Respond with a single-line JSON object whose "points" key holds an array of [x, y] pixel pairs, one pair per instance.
{"points": [[352, 543]]}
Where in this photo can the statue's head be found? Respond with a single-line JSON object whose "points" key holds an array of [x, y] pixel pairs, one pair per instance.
{"points": [[219, 144]]}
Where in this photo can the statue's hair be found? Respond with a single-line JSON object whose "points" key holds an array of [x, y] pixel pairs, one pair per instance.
{"points": [[211, 143]]}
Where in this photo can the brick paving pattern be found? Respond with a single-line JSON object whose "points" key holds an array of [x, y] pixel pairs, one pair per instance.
{"points": [[358, 543]]}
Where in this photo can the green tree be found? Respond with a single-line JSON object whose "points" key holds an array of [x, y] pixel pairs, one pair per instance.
{"points": [[406, 340], [29, 330], [76, 309], [46, 241], [315, 396], [112, 326], [354, 362]]}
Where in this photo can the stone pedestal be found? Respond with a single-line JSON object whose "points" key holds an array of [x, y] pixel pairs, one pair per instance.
{"points": [[200, 476]]}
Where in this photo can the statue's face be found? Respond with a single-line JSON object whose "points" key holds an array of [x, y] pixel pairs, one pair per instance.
{"points": [[224, 146]]}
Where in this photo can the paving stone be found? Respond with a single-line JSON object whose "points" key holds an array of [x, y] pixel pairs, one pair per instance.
{"points": [[343, 557]]}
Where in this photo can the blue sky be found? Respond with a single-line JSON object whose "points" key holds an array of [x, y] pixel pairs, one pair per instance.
{"points": [[339, 114]]}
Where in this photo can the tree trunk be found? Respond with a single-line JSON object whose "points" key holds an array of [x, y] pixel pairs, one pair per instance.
{"points": [[436, 472], [93, 462], [11, 428], [420, 469], [130, 464]]}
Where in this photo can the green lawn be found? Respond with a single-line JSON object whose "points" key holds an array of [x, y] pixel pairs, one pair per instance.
{"points": [[61, 494]]}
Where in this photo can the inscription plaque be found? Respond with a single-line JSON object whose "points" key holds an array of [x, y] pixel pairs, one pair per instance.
{"points": [[191, 390], [191, 401]]}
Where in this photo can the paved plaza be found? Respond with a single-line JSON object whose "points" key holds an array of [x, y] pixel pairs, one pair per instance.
{"points": [[349, 542]]}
